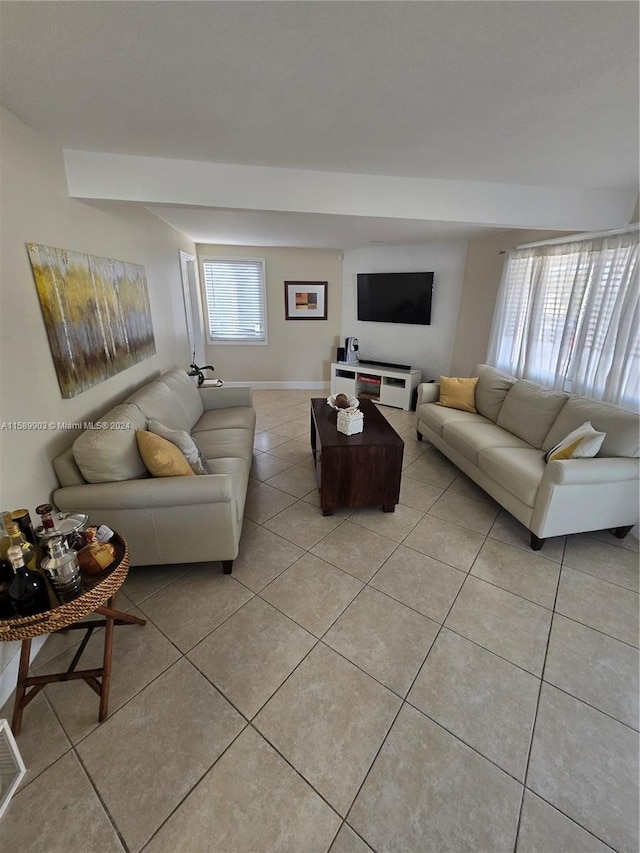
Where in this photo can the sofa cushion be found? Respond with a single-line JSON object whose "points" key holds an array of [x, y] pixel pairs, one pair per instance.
{"points": [[220, 443], [471, 438], [529, 411], [620, 425], [162, 457], [185, 444], [516, 469], [185, 393], [457, 393], [158, 402], [491, 390], [236, 417], [110, 454], [435, 417]]}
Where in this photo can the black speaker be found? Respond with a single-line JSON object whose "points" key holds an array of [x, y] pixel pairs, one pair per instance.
{"points": [[340, 354]]}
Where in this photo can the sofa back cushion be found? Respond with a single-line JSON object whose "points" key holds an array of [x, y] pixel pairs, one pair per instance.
{"points": [[169, 401], [491, 390], [621, 426], [110, 454], [186, 394], [529, 411]]}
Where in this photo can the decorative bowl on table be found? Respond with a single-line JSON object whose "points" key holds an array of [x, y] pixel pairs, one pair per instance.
{"points": [[352, 402]]}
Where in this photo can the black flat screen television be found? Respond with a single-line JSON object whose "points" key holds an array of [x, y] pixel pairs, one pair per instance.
{"points": [[395, 297]]}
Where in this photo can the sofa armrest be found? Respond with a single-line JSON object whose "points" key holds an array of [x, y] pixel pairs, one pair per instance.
{"points": [[428, 392], [147, 493], [600, 469], [225, 397]]}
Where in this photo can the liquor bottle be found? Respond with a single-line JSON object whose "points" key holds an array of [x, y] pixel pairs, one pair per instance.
{"points": [[27, 591], [4, 539], [96, 556], [6, 576], [23, 520], [17, 539]]}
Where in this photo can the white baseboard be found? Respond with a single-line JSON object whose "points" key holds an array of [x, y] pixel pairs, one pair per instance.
{"points": [[296, 385]]}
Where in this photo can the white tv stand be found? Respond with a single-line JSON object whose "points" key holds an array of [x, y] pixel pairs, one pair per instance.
{"points": [[391, 386]]}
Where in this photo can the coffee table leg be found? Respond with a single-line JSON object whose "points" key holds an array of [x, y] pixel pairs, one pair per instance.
{"points": [[106, 661], [23, 671]]}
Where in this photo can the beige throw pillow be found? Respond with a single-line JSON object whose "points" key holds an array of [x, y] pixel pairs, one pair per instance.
{"points": [[457, 393], [581, 443], [161, 457]]}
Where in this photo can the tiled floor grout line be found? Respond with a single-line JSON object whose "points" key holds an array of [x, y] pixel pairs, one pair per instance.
{"points": [[535, 714]]}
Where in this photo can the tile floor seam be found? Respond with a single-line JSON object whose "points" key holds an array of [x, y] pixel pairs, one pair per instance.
{"points": [[597, 630], [537, 708], [604, 580], [466, 743], [193, 787], [295, 769], [100, 799], [266, 702], [589, 705], [505, 589], [572, 819]]}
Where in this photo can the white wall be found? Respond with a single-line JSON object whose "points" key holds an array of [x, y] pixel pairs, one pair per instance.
{"points": [[428, 348], [36, 208]]}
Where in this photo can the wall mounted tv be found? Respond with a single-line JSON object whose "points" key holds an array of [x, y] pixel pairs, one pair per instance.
{"points": [[395, 297]]}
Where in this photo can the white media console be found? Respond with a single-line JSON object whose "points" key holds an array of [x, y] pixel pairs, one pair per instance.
{"points": [[391, 386]]}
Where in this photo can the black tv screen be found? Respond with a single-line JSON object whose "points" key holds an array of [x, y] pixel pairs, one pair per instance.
{"points": [[395, 297]]}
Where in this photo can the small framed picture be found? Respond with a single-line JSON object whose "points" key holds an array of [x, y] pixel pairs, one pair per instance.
{"points": [[305, 300]]}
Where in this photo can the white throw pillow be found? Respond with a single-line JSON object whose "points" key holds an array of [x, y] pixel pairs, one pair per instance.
{"points": [[185, 443], [582, 443]]}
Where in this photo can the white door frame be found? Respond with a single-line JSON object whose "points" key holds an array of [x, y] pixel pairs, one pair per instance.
{"points": [[192, 307]]}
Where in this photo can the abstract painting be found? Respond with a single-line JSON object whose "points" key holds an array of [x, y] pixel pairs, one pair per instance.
{"points": [[96, 312], [305, 300]]}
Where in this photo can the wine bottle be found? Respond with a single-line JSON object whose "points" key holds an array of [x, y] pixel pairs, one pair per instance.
{"points": [[27, 590]]}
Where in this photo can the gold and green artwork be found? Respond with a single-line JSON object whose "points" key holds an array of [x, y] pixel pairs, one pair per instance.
{"points": [[96, 312]]}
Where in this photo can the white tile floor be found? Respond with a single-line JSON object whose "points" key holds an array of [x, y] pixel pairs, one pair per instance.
{"points": [[417, 681]]}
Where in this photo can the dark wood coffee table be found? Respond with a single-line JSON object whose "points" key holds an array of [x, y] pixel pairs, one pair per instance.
{"points": [[355, 470]]}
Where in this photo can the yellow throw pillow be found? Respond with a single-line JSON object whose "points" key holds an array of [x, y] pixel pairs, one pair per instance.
{"points": [[161, 457], [456, 393]]}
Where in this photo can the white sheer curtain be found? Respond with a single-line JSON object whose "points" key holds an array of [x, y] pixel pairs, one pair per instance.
{"points": [[568, 316]]}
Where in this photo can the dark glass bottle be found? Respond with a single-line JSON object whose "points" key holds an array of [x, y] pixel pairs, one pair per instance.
{"points": [[6, 576], [28, 590]]}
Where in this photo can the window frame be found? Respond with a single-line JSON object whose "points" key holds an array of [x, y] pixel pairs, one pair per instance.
{"points": [[211, 341]]}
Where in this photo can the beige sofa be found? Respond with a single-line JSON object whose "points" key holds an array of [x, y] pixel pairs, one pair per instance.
{"points": [[166, 519], [502, 449]]}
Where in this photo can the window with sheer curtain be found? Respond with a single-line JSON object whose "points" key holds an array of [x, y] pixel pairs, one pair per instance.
{"points": [[235, 294], [568, 316]]}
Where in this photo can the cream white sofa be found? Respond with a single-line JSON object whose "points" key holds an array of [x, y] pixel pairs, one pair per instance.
{"points": [[166, 519], [502, 449]]}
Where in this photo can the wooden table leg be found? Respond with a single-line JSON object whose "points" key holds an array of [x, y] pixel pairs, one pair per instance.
{"points": [[106, 660], [23, 671]]}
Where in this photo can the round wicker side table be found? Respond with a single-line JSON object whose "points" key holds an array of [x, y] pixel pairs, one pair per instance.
{"points": [[98, 596]]}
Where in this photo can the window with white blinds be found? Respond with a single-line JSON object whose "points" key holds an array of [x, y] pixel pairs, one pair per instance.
{"points": [[568, 316], [235, 294]]}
